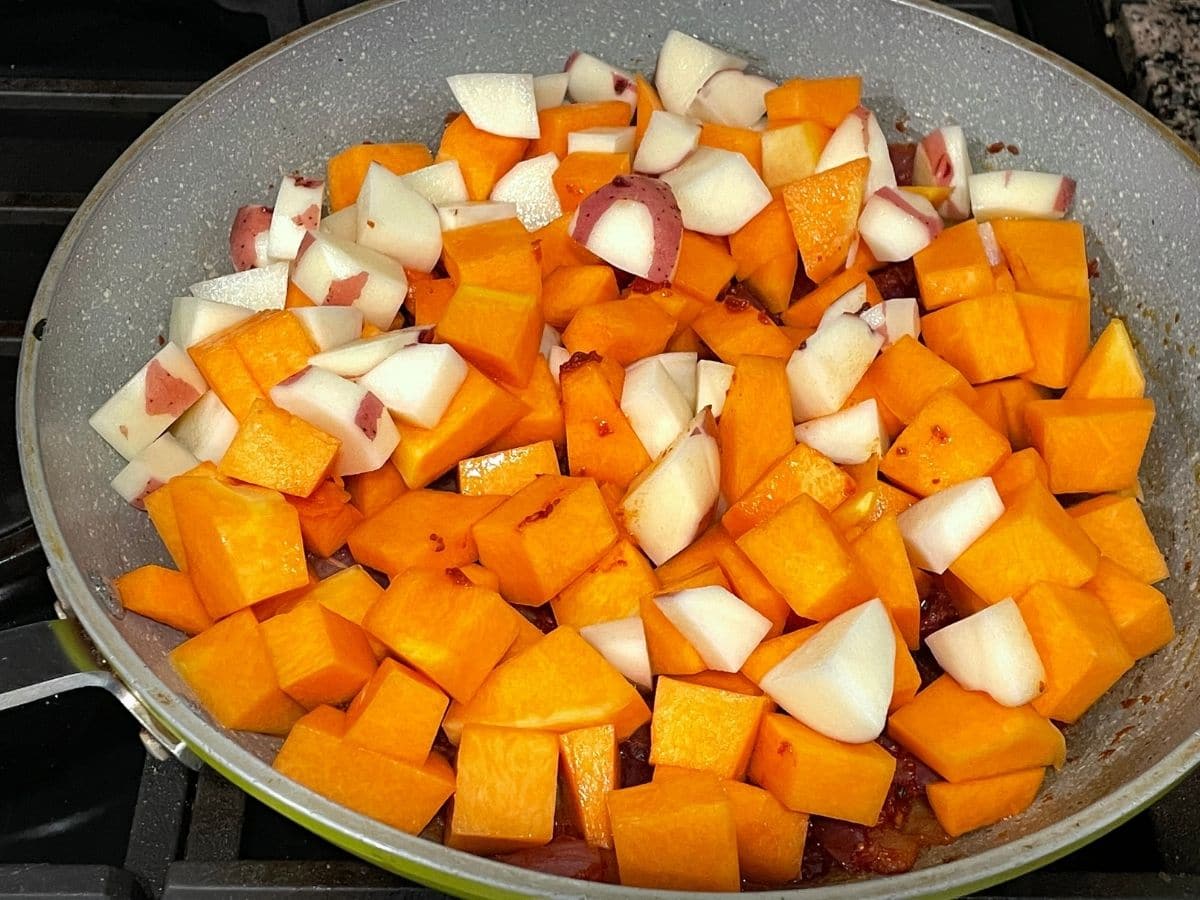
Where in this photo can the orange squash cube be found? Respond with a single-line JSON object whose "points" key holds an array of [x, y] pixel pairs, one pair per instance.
{"points": [[810, 773], [398, 713], [164, 595], [983, 337], [968, 805], [770, 837], [349, 593], [767, 235], [483, 157], [1118, 527], [1018, 470], [734, 682], [441, 624], [1058, 329], [497, 255], [1045, 257], [745, 141], [421, 528], [579, 174], [569, 288], [648, 102], [824, 211], [1090, 446], [802, 471], [274, 449], [528, 634], [755, 431], [608, 589], [559, 684], [477, 415], [907, 375], [507, 471], [554, 247], [243, 544], [229, 669], [543, 419], [791, 151], [226, 372], [557, 122], [591, 769], [273, 345], [601, 443], [1002, 405], [735, 328], [1034, 540], [372, 491], [805, 558], [345, 171], [319, 657], [544, 537], [326, 518], [705, 267], [953, 267], [1111, 368], [398, 793], [963, 735], [428, 299], [1079, 646], [945, 444], [881, 556], [1139, 612], [678, 834], [824, 100], [704, 728], [623, 330], [749, 584], [680, 305], [772, 284], [497, 331]]}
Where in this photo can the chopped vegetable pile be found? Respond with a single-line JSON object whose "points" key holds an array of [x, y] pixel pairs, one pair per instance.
{"points": [[723, 499]]}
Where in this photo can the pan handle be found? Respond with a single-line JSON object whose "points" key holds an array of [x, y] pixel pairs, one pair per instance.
{"points": [[47, 658]]}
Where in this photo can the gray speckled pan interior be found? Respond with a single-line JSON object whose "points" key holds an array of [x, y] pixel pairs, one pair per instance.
{"points": [[159, 222]]}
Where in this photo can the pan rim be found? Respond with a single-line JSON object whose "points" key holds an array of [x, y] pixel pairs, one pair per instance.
{"points": [[430, 862]]}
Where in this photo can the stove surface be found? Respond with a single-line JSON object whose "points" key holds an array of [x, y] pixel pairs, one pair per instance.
{"points": [[87, 812]]}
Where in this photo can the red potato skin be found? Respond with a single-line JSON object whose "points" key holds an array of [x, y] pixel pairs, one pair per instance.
{"points": [[248, 223]]}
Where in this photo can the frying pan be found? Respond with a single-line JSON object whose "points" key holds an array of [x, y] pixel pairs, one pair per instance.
{"points": [[158, 221]]}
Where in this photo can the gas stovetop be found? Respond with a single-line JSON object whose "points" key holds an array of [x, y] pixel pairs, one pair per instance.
{"points": [[87, 811]]}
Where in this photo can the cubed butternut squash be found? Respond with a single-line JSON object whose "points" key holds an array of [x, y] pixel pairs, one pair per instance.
{"points": [[608, 589], [401, 794], [507, 471], [963, 735], [953, 267], [590, 770], [1139, 612], [1079, 645], [229, 669], [164, 595], [1090, 446], [569, 288], [397, 713], [968, 805], [319, 657], [806, 559], [483, 157], [443, 625], [506, 789], [544, 537], [346, 170], [1118, 527], [810, 773], [704, 728], [421, 528], [824, 211], [983, 337]]}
